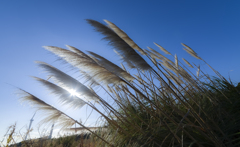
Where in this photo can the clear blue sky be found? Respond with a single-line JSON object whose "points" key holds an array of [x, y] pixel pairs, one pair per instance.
{"points": [[210, 27]]}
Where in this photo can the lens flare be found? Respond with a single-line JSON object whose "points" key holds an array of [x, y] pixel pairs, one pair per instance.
{"points": [[72, 92]]}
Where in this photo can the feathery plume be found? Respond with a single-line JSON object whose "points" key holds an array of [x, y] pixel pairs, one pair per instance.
{"points": [[129, 63], [191, 51], [169, 65], [87, 65], [67, 82], [75, 50], [124, 36], [112, 67], [154, 54], [64, 96], [121, 46], [162, 49], [52, 114], [187, 63], [87, 78]]}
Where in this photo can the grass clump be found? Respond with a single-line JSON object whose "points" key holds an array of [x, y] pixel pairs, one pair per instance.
{"points": [[154, 101]]}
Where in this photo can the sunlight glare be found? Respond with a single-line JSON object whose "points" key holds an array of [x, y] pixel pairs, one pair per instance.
{"points": [[72, 92]]}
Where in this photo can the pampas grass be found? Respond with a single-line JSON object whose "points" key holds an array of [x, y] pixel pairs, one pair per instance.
{"points": [[155, 103]]}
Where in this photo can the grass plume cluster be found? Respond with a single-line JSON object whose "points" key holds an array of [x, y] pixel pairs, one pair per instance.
{"points": [[157, 101]]}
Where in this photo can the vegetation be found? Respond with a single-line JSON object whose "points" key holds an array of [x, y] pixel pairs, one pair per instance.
{"points": [[66, 140], [154, 103]]}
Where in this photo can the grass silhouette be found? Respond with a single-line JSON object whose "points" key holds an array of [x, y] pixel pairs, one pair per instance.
{"points": [[157, 101]]}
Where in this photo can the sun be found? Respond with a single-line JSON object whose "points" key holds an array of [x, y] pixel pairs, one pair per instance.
{"points": [[72, 92]]}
